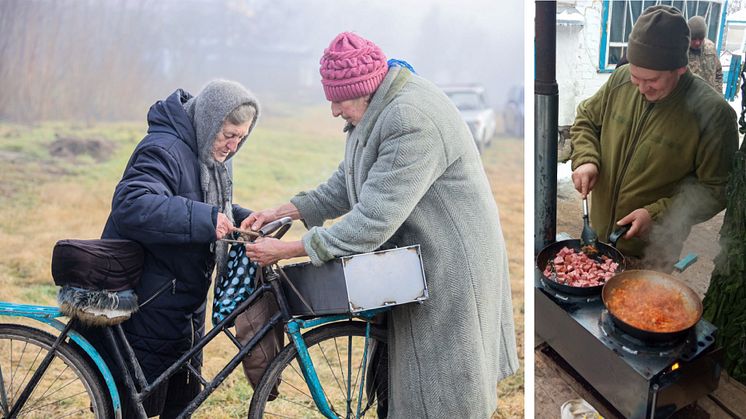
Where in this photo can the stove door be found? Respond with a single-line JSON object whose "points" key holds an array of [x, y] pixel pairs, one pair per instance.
{"points": [[690, 382]]}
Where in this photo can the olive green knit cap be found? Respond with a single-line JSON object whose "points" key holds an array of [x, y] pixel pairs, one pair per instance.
{"points": [[659, 39]]}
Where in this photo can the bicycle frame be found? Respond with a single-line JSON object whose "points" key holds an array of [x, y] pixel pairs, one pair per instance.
{"points": [[49, 315]]}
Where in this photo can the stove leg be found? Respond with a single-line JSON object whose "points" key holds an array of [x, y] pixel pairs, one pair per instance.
{"points": [[654, 401]]}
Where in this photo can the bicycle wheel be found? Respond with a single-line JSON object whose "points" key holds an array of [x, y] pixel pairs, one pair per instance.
{"points": [[341, 376], [69, 388]]}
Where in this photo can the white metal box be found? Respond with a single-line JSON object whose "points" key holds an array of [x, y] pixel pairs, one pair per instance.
{"points": [[355, 283]]}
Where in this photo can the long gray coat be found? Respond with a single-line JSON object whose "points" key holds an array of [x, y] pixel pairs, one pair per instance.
{"points": [[412, 174]]}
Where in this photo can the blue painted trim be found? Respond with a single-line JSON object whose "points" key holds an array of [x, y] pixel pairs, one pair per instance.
{"points": [[28, 310], [305, 324], [723, 13], [308, 370], [604, 35], [48, 315], [364, 368], [365, 315]]}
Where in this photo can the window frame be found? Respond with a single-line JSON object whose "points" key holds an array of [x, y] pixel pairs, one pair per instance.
{"points": [[606, 44]]}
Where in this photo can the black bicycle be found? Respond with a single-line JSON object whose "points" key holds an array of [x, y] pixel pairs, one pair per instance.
{"points": [[323, 372]]}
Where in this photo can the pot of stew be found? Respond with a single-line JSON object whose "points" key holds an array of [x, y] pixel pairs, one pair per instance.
{"points": [[651, 306]]}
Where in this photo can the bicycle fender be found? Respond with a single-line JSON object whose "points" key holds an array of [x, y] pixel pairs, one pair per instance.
{"points": [[48, 315]]}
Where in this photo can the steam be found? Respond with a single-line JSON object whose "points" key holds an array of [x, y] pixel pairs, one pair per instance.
{"points": [[692, 203]]}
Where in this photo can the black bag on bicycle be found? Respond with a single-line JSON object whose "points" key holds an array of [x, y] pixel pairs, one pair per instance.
{"points": [[97, 278]]}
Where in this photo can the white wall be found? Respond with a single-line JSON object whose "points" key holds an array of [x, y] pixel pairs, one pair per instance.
{"points": [[577, 59]]}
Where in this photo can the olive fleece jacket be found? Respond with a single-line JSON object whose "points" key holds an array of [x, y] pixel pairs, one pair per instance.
{"points": [[671, 157]]}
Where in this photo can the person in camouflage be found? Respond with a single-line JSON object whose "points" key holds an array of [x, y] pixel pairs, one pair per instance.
{"points": [[703, 56]]}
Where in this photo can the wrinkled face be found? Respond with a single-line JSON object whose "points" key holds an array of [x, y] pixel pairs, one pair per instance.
{"points": [[351, 110], [228, 138], [655, 85], [696, 43]]}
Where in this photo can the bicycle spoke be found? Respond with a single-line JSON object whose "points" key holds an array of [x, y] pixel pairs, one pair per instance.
{"points": [[376, 395], [311, 408], [357, 376], [63, 386], [278, 415], [53, 383], [69, 415], [349, 375], [323, 389], [12, 373], [55, 402], [66, 388], [339, 358], [20, 385], [300, 391], [339, 370], [3, 396], [331, 369]]}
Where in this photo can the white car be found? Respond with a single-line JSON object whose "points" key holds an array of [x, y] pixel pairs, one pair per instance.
{"points": [[481, 119]]}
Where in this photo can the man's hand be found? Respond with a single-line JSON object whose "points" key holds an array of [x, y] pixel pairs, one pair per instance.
{"points": [[266, 250], [584, 178], [641, 223], [258, 219], [223, 227]]}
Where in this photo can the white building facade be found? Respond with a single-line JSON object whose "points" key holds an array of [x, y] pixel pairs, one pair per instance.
{"points": [[592, 37]]}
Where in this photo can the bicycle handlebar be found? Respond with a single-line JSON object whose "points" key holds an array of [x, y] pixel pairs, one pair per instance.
{"points": [[276, 225]]}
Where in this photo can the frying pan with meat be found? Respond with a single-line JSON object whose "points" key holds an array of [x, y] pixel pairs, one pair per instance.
{"points": [[548, 254], [651, 305]]}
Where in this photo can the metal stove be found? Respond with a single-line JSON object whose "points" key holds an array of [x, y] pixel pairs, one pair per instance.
{"points": [[640, 379]]}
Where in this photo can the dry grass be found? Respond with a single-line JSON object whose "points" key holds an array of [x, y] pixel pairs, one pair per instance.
{"points": [[503, 163], [43, 200]]}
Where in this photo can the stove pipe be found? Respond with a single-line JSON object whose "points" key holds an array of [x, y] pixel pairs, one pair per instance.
{"points": [[546, 103]]}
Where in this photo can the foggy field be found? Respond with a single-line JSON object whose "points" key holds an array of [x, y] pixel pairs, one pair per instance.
{"points": [[46, 198]]}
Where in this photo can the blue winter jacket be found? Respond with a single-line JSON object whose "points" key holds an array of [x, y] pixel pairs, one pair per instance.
{"points": [[159, 204]]}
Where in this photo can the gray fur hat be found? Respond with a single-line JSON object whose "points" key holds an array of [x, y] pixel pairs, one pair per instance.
{"points": [[210, 107]]}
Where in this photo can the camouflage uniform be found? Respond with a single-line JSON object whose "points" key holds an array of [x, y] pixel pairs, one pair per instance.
{"points": [[705, 63]]}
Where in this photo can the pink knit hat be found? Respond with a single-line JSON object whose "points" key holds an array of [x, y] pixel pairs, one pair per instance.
{"points": [[351, 67]]}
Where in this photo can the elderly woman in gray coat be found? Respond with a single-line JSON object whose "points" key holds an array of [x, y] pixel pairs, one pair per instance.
{"points": [[412, 175]]}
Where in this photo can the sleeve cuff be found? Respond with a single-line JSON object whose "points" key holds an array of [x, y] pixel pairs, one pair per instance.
{"points": [[315, 248], [239, 214], [577, 162], [655, 209], [309, 213], [204, 219]]}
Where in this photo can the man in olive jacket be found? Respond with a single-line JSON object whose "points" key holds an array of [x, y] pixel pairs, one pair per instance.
{"points": [[655, 144]]}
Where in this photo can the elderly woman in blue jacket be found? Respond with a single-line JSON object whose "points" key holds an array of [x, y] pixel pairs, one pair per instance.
{"points": [[412, 175], [175, 199]]}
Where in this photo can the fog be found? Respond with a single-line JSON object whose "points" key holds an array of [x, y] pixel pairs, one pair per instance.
{"points": [[110, 60]]}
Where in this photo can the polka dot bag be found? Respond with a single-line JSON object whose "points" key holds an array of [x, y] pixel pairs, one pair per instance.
{"points": [[236, 285]]}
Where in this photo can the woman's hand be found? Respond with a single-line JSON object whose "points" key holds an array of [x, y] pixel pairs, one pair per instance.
{"points": [[266, 251], [223, 227], [258, 219]]}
